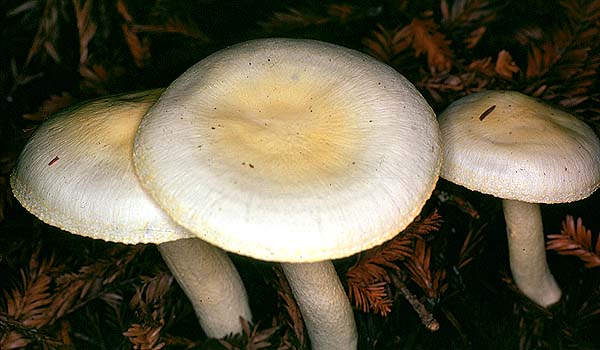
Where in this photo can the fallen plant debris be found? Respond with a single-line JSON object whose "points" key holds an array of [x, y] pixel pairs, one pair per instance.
{"points": [[574, 239], [369, 280], [449, 276]]}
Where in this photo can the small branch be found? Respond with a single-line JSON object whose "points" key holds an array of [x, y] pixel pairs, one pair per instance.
{"points": [[426, 317]]}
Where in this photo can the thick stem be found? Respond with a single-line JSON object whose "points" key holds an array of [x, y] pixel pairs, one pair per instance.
{"points": [[324, 305], [527, 252], [211, 282]]}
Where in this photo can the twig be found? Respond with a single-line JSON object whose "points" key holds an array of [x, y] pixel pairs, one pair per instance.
{"points": [[426, 317]]}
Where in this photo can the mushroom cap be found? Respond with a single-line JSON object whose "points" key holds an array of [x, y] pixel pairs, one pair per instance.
{"points": [[76, 173], [521, 149], [290, 150]]}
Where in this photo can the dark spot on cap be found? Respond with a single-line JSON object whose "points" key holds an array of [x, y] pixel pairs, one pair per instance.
{"points": [[487, 112], [54, 160]]}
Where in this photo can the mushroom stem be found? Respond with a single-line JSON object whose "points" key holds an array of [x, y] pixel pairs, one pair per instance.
{"points": [[324, 305], [211, 282], [527, 252]]}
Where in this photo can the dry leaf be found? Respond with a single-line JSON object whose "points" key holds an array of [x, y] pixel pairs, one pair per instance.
{"points": [[505, 66], [426, 39]]}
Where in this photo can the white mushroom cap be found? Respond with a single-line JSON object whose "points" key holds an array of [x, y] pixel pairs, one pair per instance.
{"points": [[290, 150], [76, 173], [513, 146]]}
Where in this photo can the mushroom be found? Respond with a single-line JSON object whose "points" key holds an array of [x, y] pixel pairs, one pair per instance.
{"points": [[516, 148], [76, 173], [293, 151]]}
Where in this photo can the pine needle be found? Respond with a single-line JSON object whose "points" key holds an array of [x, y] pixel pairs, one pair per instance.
{"points": [[145, 337], [575, 239], [149, 303], [563, 62], [421, 35], [418, 265], [294, 316], [252, 338], [47, 33], [368, 280], [86, 28], [465, 13], [387, 45], [139, 49], [75, 290], [28, 307], [293, 18], [316, 15], [468, 18]]}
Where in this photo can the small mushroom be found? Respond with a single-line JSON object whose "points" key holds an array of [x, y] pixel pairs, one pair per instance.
{"points": [[294, 151], [526, 153], [76, 173]]}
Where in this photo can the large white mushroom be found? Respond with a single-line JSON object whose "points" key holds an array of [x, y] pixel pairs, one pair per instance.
{"points": [[516, 148], [76, 173], [294, 151]]}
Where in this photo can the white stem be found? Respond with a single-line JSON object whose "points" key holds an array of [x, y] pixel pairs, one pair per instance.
{"points": [[527, 252], [324, 305], [211, 282]]}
